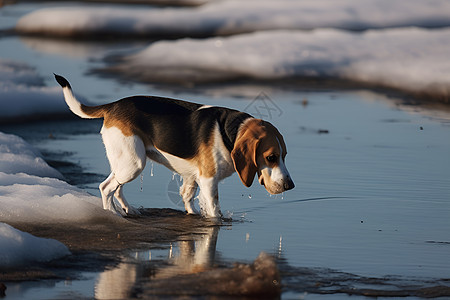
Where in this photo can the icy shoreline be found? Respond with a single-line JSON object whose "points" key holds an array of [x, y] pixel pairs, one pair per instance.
{"points": [[33, 192]]}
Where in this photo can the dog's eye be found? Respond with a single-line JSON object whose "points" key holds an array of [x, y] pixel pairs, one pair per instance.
{"points": [[271, 158]]}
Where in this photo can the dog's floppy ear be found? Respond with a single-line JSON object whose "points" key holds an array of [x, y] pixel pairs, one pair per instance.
{"points": [[244, 157], [279, 137]]}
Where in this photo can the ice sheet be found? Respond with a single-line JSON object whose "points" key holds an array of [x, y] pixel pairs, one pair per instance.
{"points": [[32, 191], [234, 16], [21, 248], [402, 46], [17, 156], [411, 59], [23, 94]]}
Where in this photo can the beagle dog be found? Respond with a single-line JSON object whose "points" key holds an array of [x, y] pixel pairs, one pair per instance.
{"points": [[202, 143]]}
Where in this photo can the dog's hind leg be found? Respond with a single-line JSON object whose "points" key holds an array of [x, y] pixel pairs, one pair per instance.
{"points": [[123, 202], [127, 158], [107, 189]]}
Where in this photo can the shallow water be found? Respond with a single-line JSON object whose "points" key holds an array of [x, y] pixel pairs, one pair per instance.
{"points": [[370, 211], [371, 197]]}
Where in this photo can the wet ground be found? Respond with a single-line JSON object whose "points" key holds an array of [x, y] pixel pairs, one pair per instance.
{"points": [[370, 214]]}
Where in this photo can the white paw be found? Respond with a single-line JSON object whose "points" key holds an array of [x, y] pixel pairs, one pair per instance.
{"points": [[131, 211], [190, 208], [112, 207]]}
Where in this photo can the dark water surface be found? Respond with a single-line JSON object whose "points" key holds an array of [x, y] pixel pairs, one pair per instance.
{"points": [[369, 214]]}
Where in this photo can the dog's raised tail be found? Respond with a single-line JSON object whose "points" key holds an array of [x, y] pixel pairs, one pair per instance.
{"points": [[81, 110]]}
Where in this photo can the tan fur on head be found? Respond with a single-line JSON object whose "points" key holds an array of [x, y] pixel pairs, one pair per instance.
{"points": [[260, 149]]}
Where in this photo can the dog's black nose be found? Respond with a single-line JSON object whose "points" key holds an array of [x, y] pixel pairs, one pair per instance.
{"points": [[289, 184]]}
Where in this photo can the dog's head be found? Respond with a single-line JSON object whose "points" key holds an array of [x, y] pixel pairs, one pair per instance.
{"points": [[260, 149]]}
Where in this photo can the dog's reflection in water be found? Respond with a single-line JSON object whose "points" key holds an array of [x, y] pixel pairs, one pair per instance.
{"points": [[193, 256], [192, 271]]}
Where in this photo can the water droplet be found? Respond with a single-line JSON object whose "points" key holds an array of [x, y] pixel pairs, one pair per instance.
{"points": [[142, 182], [151, 170], [280, 248], [249, 196], [171, 251]]}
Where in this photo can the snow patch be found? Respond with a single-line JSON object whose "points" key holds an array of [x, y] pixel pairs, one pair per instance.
{"points": [[235, 16], [23, 94], [293, 38], [19, 248], [33, 192], [411, 59], [17, 156], [31, 199]]}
